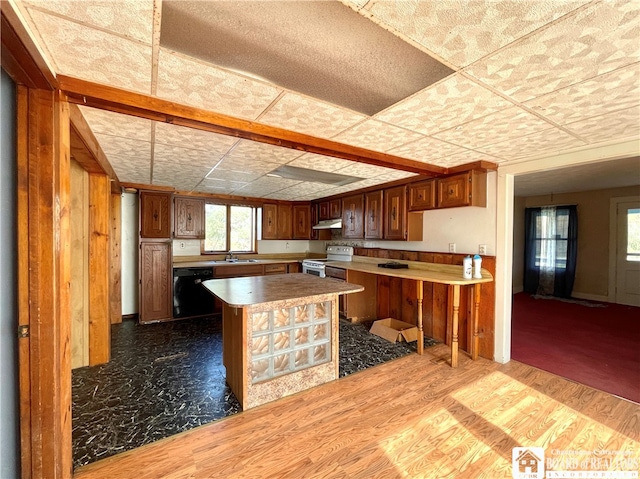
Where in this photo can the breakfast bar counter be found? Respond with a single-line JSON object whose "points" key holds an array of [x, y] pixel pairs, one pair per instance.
{"points": [[279, 333], [421, 272]]}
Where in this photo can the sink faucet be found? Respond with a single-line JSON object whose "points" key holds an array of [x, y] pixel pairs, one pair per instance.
{"points": [[229, 256]]}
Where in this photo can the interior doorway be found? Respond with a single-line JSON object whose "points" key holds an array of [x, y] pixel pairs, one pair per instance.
{"points": [[626, 242]]}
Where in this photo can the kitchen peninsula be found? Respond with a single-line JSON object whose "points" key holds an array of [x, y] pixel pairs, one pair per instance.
{"points": [[279, 333], [421, 272]]}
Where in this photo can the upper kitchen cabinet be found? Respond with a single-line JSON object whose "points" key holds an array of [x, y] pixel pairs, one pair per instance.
{"points": [[189, 218], [301, 222], [335, 209], [323, 210], [399, 223], [285, 229], [352, 217], [373, 215], [269, 221], [395, 203], [155, 214], [422, 195], [465, 189], [276, 221]]}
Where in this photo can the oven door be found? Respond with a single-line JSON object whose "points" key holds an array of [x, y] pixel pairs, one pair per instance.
{"points": [[317, 271]]}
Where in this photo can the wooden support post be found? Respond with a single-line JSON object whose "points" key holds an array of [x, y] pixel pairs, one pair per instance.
{"points": [[99, 252], [475, 343], [115, 263], [420, 286], [454, 324], [45, 361]]}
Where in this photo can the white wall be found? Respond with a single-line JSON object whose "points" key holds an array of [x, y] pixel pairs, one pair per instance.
{"points": [[129, 252]]}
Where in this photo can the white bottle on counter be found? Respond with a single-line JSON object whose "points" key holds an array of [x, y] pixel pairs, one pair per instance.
{"points": [[477, 266], [466, 267]]}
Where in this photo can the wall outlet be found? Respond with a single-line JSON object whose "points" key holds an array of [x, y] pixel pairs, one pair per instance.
{"points": [[482, 249], [452, 247], [182, 245], [286, 246]]}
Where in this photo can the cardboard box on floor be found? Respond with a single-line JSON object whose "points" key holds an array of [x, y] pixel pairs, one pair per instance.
{"points": [[394, 330]]}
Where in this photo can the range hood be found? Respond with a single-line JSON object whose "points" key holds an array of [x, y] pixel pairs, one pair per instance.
{"points": [[328, 224]]}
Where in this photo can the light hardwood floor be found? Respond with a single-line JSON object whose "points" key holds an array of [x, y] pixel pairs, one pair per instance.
{"points": [[414, 417]]}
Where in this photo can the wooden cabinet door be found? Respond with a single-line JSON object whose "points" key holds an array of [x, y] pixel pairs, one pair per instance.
{"points": [[269, 221], [422, 195], [335, 209], [454, 191], [352, 217], [323, 210], [155, 214], [156, 280], [395, 211], [285, 222], [373, 215], [301, 222], [189, 216]]}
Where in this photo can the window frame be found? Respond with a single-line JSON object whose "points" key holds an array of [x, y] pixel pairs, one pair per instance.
{"points": [[229, 205]]}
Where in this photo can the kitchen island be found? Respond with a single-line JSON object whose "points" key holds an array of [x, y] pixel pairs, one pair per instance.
{"points": [[279, 333]]}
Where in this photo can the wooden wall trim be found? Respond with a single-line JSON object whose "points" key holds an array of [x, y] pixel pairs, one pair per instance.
{"points": [[99, 254], [115, 260], [153, 108], [47, 265], [86, 150], [20, 56]]}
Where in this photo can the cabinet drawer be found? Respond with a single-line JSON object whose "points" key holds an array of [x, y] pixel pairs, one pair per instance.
{"points": [[336, 273], [275, 268]]}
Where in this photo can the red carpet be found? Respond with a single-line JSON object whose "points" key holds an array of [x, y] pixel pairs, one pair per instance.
{"points": [[596, 346]]}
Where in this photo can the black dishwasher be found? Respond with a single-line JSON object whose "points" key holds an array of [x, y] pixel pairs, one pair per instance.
{"points": [[190, 298]]}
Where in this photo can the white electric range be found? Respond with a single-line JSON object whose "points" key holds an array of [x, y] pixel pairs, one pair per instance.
{"points": [[334, 253]]}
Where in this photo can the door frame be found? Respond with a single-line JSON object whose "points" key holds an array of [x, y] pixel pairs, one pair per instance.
{"points": [[613, 241]]}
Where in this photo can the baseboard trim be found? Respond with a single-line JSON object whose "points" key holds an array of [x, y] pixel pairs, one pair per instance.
{"points": [[590, 297]]}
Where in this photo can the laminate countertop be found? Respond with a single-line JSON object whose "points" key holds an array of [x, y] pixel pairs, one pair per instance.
{"points": [[214, 263], [248, 291], [430, 272]]}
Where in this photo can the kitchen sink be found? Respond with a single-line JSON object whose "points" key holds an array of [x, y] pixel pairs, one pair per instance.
{"points": [[236, 261]]}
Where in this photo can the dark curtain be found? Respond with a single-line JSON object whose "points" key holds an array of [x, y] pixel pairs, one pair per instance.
{"points": [[551, 229]]}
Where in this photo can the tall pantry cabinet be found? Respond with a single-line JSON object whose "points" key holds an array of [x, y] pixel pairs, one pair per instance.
{"points": [[156, 261]]}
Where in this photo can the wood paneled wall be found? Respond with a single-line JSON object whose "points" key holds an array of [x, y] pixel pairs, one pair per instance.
{"points": [[397, 298], [115, 264]]}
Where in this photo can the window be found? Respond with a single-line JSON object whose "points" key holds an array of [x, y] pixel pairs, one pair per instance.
{"points": [[229, 228], [633, 235]]}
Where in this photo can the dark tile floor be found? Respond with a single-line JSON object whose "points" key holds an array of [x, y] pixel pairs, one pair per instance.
{"points": [[166, 378]]}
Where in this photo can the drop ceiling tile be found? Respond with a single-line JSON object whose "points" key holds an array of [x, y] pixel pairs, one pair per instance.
{"points": [[469, 156], [185, 157], [577, 48], [266, 185], [428, 150], [552, 140], [312, 117], [613, 91], [449, 103], [91, 54], [117, 124], [202, 85], [131, 18], [243, 176], [313, 161], [615, 125], [191, 138], [214, 185], [264, 152], [463, 31], [393, 175], [130, 171], [377, 136], [362, 170], [509, 124], [137, 151], [235, 163]]}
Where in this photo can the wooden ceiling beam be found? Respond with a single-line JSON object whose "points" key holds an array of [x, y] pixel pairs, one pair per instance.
{"points": [[86, 150], [146, 106], [20, 57]]}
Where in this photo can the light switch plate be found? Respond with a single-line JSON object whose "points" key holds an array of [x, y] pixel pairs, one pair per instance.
{"points": [[452, 247]]}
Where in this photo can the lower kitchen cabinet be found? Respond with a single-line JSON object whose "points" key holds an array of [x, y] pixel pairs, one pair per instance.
{"points": [[156, 277]]}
